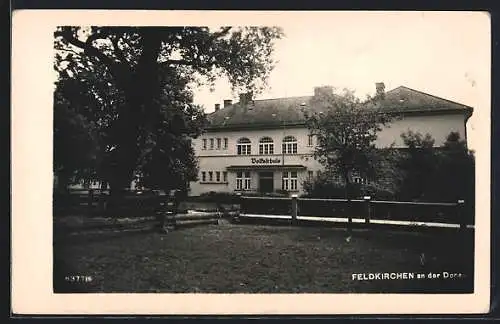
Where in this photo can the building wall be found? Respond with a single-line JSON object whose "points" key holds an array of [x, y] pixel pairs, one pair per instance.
{"points": [[254, 136], [219, 159], [439, 126]]}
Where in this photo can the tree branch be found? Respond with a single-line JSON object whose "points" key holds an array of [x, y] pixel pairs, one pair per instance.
{"points": [[177, 62], [194, 63], [223, 32], [88, 48], [119, 52], [69, 50]]}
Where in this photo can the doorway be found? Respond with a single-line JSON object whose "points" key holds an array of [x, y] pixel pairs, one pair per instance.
{"points": [[266, 182]]}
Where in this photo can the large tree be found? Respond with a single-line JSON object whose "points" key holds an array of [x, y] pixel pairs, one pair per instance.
{"points": [[139, 80], [346, 128], [72, 130]]}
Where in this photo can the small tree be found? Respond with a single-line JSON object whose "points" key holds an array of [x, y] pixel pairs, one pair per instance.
{"points": [[346, 129]]}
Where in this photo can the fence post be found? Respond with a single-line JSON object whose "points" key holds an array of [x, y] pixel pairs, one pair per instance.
{"points": [[102, 201], [367, 200], [349, 215], [90, 199], [294, 209], [461, 214], [168, 219], [239, 199]]}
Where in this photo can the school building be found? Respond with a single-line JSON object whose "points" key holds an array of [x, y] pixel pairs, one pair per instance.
{"points": [[264, 145]]}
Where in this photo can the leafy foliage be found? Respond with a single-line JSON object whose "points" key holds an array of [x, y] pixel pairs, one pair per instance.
{"points": [[72, 129], [346, 129], [419, 164], [324, 187], [133, 88], [444, 173]]}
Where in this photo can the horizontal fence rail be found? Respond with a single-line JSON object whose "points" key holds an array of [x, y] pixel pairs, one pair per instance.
{"points": [[143, 203], [359, 210], [266, 205], [96, 201]]}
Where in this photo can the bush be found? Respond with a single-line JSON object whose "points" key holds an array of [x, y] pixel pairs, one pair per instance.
{"points": [[324, 188], [233, 197], [277, 194], [219, 197]]}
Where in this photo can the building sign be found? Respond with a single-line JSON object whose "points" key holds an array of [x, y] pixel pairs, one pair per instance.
{"points": [[266, 161]]}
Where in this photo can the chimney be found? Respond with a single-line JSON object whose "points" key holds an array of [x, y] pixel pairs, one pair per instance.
{"points": [[323, 90], [227, 103], [380, 89], [217, 107]]}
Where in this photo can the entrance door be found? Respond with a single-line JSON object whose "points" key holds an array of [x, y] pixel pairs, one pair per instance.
{"points": [[266, 182]]}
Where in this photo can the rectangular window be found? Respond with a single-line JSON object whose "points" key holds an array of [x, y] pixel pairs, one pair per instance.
{"points": [[239, 180], [310, 140], [244, 149], [210, 176], [219, 141], [285, 182], [224, 176], [289, 181], [243, 180], [247, 180], [203, 176], [211, 143], [293, 180], [310, 175], [266, 148], [204, 144], [360, 180], [217, 176], [225, 143], [290, 148], [318, 173]]}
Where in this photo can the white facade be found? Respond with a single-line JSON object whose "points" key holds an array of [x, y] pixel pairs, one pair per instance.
{"points": [[227, 167], [222, 169], [438, 125]]}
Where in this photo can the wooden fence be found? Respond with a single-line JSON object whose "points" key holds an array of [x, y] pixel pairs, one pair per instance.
{"points": [[161, 208], [294, 209], [96, 201], [365, 211]]}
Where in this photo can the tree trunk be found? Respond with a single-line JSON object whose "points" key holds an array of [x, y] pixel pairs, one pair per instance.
{"points": [[346, 184], [140, 87]]}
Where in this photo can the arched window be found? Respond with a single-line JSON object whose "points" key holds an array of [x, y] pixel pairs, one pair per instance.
{"points": [[266, 146], [289, 145], [244, 146]]}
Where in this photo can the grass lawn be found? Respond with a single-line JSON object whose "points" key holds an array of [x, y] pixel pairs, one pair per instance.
{"points": [[233, 258]]}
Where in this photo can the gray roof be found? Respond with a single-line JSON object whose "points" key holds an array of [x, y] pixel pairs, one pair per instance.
{"points": [[290, 111]]}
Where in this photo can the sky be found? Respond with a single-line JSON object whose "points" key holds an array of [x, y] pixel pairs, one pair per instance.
{"points": [[444, 54]]}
